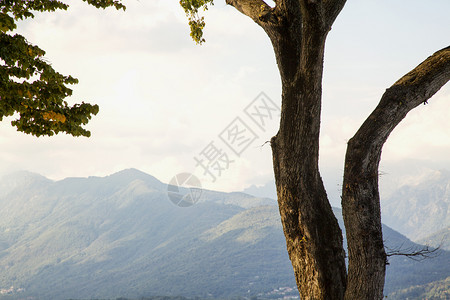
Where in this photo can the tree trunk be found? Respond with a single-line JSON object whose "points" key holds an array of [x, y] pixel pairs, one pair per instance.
{"points": [[362, 218], [298, 30], [360, 195], [313, 237]]}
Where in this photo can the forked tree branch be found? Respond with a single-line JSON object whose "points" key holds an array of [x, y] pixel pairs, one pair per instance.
{"points": [[313, 15], [321, 13]]}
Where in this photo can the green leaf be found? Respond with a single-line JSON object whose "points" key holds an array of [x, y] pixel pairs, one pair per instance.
{"points": [[29, 86], [196, 22]]}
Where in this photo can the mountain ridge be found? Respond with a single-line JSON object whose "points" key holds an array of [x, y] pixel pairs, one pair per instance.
{"points": [[421, 208], [121, 237]]}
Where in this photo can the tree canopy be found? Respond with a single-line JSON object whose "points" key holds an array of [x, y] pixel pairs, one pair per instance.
{"points": [[29, 86]]}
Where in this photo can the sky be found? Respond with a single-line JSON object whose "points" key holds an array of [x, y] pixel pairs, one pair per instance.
{"points": [[168, 106]]}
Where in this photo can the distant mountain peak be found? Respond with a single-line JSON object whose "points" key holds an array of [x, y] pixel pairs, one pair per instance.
{"points": [[24, 174], [130, 172], [20, 179]]}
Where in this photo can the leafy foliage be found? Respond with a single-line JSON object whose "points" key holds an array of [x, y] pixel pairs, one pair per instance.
{"points": [[196, 22], [29, 86]]}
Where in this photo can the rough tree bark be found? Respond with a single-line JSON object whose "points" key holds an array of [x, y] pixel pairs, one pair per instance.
{"points": [[298, 30], [360, 196]]}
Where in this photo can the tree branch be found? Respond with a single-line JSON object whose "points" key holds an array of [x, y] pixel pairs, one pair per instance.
{"points": [[258, 10], [332, 10], [313, 15], [360, 194], [413, 89], [321, 14], [414, 254], [428, 77]]}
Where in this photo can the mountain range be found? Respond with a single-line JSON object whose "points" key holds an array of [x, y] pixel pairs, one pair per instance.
{"points": [[420, 210], [121, 236]]}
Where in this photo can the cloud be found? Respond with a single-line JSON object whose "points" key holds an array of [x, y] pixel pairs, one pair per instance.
{"points": [[163, 99]]}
